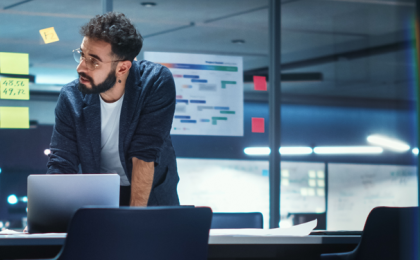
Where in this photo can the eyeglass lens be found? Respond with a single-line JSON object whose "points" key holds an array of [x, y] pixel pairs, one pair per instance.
{"points": [[77, 54]]}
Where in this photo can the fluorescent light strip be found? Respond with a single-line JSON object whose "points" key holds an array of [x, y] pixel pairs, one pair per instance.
{"points": [[283, 150], [257, 151], [264, 151], [295, 150], [389, 143], [348, 150]]}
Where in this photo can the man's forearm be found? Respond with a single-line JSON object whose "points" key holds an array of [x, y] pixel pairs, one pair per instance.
{"points": [[141, 182]]}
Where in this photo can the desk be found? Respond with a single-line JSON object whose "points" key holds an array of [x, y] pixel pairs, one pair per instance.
{"points": [[232, 247]]}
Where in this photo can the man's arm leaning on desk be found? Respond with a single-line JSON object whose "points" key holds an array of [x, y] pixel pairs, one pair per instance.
{"points": [[141, 182], [152, 131]]}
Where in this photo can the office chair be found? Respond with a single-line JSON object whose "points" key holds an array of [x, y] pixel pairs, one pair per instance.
{"points": [[158, 233], [237, 220], [389, 233]]}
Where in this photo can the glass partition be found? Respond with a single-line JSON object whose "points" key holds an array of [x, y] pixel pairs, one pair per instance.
{"points": [[348, 90]]}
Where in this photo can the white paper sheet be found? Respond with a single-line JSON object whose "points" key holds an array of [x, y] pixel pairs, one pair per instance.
{"points": [[298, 230], [12, 232]]}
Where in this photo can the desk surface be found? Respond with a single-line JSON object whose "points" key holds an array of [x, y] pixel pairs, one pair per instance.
{"points": [[58, 239], [220, 247]]}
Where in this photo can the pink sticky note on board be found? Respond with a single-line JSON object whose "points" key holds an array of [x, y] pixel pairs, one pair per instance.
{"points": [[260, 83], [257, 125]]}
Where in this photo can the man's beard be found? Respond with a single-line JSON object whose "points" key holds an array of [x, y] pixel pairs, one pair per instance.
{"points": [[106, 85]]}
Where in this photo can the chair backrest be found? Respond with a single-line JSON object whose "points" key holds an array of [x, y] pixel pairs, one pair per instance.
{"points": [[158, 233], [390, 233], [237, 220]]}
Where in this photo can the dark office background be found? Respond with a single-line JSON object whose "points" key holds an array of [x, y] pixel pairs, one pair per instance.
{"points": [[347, 72]]}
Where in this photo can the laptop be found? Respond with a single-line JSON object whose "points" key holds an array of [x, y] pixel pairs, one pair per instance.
{"points": [[54, 198]]}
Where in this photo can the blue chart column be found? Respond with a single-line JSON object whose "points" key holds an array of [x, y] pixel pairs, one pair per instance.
{"points": [[274, 104]]}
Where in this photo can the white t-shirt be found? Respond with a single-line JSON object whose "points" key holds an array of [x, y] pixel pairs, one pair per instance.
{"points": [[110, 129]]}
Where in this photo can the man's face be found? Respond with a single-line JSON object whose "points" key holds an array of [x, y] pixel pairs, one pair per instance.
{"points": [[102, 78]]}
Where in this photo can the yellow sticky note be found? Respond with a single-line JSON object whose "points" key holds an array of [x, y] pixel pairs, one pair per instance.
{"points": [[14, 117], [14, 63], [14, 88], [49, 35]]}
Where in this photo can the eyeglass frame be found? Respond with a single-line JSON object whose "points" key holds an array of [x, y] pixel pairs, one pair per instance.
{"points": [[82, 57]]}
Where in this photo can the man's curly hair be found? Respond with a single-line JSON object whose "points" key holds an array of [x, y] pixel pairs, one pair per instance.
{"points": [[116, 29]]}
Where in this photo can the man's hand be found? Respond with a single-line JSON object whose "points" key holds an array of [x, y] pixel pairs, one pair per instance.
{"points": [[141, 182]]}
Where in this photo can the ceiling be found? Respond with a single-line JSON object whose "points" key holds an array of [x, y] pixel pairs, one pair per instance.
{"points": [[361, 47]]}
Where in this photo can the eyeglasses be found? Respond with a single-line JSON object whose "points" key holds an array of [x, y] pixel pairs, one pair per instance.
{"points": [[91, 63]]}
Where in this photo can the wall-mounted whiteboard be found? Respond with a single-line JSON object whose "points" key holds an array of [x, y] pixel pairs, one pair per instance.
{"points": [[354, 190], [243, 186], [225, 185], [302, 187]]}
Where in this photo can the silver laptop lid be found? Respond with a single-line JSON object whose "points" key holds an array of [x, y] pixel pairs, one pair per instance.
{"points": [[54, 198]]}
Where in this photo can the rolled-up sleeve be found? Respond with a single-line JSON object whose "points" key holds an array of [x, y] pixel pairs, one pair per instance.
{"points": [[63, 157], [155, 119]]}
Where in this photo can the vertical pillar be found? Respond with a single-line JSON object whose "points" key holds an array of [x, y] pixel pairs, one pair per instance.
{"points": [[106, 6], [274, 105], [417, 91]]}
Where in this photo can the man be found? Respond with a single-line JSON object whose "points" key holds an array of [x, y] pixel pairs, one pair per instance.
{"points": [[117, 116]]}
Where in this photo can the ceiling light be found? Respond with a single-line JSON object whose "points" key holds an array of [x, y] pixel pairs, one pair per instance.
{"points": [[348, 150], [12, 199], [238, 41], [389, 143], [415, 151], [283, 150], [148, 4], [257, 151], [295, 150]]}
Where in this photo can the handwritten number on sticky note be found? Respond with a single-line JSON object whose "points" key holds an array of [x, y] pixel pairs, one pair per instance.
{"points": [[9, 91], [14, 88], [13, 83]]}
